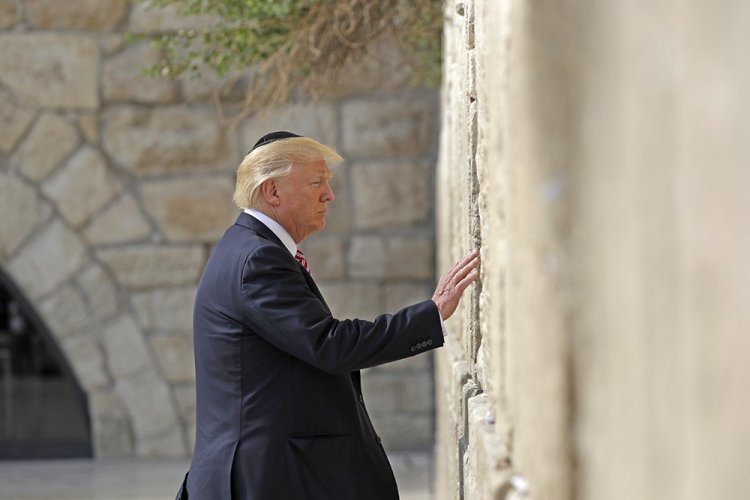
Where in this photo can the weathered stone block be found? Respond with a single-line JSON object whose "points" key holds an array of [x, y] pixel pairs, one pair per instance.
{"points": [[147, 18], [382, 391], [15, 117], [420, 362], [167, 139], [64, 312], [89, 15], [403, 431], [166, 309], [185, 396], [352, 300], [10, 13], [89, 125], [47, 260], [400, 295], [110, 425], [85, 356], [82, 186], [151, 266], [50, 141], [123, 79], [168, 445], [389, 127], [56, 70], [148, 402], [326, 257], [408, 257], [389, 195], [126, 349], [99, 291], [121, 222], [339, 220], [191, 209], [175, 354], [367, 257], [417, 393], [317, 121], [23, 211]]}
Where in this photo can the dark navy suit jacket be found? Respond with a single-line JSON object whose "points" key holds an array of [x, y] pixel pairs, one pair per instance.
{"points": [[280, 412]]}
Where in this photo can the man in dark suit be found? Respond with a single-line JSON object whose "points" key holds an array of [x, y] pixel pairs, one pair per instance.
{"points": [[280, 412]]}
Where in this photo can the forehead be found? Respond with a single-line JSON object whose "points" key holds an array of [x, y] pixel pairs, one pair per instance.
{"points": [[311, 168]]}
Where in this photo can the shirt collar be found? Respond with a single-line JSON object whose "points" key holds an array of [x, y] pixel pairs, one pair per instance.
{"points": [[277, 229]]}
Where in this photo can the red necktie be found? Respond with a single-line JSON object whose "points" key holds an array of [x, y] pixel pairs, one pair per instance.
{"points": [[302, 260]]}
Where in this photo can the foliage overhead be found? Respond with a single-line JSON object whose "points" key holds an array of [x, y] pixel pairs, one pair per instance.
{"points": [[300, 43]]}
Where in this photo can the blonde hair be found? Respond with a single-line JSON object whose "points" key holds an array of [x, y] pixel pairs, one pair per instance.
{"points": [[275, 160]]}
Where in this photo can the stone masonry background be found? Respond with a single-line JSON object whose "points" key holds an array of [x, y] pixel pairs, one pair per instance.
{"points": [[598, 152], [114, 187]]}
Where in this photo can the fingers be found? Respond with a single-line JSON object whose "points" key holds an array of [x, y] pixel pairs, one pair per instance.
{"points": [[470, 278], [458, 266]]}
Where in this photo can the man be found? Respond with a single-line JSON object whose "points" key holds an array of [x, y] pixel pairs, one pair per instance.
{"points": [[280, 412]]}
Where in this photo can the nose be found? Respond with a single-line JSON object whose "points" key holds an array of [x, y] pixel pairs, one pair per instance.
{"points": [[328, 195]]}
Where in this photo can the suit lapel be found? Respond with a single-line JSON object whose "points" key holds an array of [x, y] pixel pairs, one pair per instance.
{"points": [[250, 222]]}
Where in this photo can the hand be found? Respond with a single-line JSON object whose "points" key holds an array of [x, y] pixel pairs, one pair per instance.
{"points": [[453, 283]]}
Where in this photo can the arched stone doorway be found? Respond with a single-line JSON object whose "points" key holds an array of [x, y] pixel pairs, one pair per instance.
{"points": [[43, 408]]}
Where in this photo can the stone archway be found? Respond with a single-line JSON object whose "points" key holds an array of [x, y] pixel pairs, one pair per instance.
{"points": [[133, 407]]}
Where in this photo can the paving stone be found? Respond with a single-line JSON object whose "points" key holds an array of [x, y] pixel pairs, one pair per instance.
{"points": [[55, 70], [82, 185], [198, 209], [50, 141], [88, 15], [121, 222], [15, 116], [123, 80], [151, 266], [89, 125]]}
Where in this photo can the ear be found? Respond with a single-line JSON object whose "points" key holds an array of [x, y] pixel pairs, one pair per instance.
{"points": [[269, 192]]}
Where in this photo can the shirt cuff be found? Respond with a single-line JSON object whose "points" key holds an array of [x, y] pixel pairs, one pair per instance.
{"points": [[442, 324]]}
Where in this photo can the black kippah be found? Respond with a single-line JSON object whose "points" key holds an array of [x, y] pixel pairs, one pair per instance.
{"points": [[273, 137]]}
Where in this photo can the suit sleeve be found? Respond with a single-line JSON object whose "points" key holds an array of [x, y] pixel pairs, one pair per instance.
{"points": [[279, 306]]}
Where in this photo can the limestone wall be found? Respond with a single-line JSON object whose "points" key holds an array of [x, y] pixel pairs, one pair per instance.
{"points": [[598, 154], [114, 187]]}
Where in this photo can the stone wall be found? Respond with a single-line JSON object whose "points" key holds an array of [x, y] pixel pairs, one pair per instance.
{"points": [[115, 186], [597, 152]]}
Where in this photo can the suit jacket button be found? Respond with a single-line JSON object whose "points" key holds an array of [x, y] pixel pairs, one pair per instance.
{"points": [[412, 348], [361, 399], [429, 341], [377, 438], [424, 343]]}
